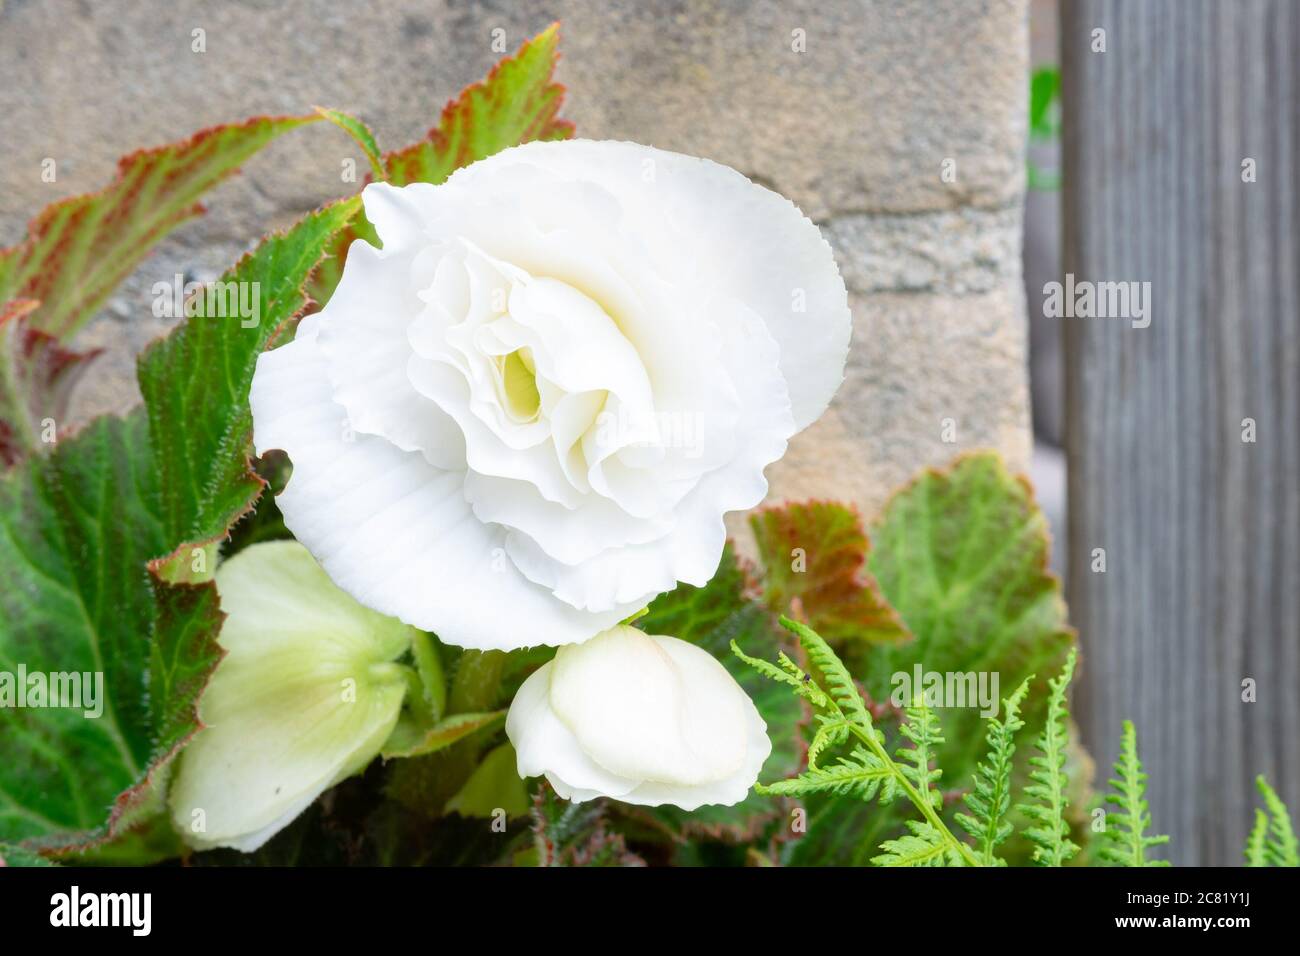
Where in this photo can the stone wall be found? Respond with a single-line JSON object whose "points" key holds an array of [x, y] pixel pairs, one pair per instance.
{"points": [[858, 127]]}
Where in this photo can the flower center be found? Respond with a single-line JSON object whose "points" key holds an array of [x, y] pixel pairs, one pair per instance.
{"points": [[519, 385]]}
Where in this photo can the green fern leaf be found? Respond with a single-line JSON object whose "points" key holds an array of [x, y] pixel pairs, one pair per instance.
{"points": [[788, 673], [1272, 842], [868, 772], [838, 679], [1050, 832], [922, 846], [831, 732], [860, 774], [1257, 841], [921, 727], [990, 798], [1125, 839]]}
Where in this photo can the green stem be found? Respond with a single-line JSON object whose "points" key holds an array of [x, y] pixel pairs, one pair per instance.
{"points": [[428, 663], [477, 683], [13, 400], [868, 737], [426, 783]]}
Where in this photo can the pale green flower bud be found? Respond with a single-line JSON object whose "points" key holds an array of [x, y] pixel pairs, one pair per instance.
{"points": [[306, 695]]}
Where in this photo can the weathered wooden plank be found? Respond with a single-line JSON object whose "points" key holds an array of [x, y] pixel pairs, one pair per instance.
{"points": [[1201, 529]]}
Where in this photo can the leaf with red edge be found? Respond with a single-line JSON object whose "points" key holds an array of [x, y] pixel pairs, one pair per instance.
{"points": [[17, 856], [90, 539], [36, 379], [517, 102], [195, 382], [79, 249], [360, 134], [814, 558]]}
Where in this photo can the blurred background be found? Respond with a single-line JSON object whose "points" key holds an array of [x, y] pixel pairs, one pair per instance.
{"points": [[958, 155]]}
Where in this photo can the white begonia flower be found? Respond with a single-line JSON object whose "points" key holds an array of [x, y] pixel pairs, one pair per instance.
{"points": [[305, 696], [527, 415], [641, 718]]}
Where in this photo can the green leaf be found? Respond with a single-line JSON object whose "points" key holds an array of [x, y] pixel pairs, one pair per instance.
{"points": [[923, 845], [860, 775], [1272, 841], [921, 729], [517, 103], [78, 250], [90, 537], [11, 855], [77, 530], [361, 134], [408, 740], [843, 688], [1257, 841], [990, 800], [869, 772], [494, 785], [1049, 785], [1044, 90], [712, 617], [814, 555], [37, 374], [425, 648], [787, 672], [962, 554], [195, 382], [1125, 841]]}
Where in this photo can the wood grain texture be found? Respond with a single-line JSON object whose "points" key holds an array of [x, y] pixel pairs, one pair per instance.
{"points": [[1201, 530]]}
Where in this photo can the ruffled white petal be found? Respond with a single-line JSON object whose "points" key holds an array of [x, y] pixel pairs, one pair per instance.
{"points": [[745, 240], [304, 697], [690, 547], [644, 719], [391, 529], [364, 342]]}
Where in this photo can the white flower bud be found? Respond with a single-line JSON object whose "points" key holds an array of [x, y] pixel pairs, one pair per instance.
{"points": [[641, 718]]}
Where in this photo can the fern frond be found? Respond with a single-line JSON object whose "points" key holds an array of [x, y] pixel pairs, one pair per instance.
{"points": [[990, 798], [1257, 840], [1272, 842], [831, 732], [1050, 833], [921, 727], [923, 845], [788, 673], [1125, 840], [861, 774], [869, 772], [838, 679]]}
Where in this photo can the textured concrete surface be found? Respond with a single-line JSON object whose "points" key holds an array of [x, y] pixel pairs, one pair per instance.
{"points": [[857, 129]]}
